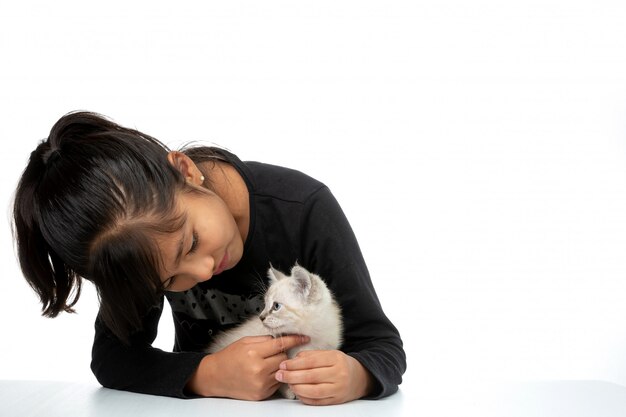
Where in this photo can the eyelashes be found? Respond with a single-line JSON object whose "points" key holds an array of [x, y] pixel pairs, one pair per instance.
{"points": [[194, 243], [194, 246], [168, 283]]}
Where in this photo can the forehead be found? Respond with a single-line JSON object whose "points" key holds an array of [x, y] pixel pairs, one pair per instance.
{"points": [[281, 288]]}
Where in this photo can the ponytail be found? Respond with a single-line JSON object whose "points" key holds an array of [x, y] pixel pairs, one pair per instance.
{"points": [[51, 279], [89, 205]]}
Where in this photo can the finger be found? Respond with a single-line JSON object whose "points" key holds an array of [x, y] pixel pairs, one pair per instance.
{"points": [[314, 391], [274, 387], [308, 376], [323, 401], [273, 362], [271, 384], [281, 344], [309, 360], [256, 339], [304, 353]]}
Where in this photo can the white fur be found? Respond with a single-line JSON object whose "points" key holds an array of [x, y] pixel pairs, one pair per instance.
{"points": [[307, 307]]}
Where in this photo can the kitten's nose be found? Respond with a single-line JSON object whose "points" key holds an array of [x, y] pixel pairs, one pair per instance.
{"points": [[262, 317]]}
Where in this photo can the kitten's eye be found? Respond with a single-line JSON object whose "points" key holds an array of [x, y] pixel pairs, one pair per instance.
{"points": [[276, 306]]}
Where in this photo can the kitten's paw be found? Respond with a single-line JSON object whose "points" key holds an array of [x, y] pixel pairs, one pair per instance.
{"points": [[286, 392]]}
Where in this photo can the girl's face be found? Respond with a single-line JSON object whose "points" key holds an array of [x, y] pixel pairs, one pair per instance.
{"points": [[208, 243]]}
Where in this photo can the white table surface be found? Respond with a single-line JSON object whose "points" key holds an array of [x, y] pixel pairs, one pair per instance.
{"points": [[66, 399], [550, 398]]}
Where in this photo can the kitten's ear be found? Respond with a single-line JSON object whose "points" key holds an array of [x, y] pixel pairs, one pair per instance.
{"points": [[303, 280], [274, 274]]}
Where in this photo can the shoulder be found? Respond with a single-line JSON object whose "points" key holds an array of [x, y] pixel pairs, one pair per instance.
{"points": [[286, 184], [272, 181]]}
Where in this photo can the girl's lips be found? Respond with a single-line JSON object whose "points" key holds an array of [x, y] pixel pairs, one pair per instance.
{"points": [[222, 265]]}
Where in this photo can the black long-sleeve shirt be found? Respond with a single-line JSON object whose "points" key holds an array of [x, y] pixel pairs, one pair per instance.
{"points": [[293, 218]]}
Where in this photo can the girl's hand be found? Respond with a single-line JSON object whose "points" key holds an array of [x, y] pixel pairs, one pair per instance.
{"points": [[323, 377], [244, 370]]}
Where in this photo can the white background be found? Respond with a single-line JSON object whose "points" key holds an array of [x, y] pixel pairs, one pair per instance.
{"points": [[478, 148]]}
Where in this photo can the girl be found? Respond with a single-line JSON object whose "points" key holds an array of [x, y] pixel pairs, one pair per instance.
{"points": [[112, 205]]}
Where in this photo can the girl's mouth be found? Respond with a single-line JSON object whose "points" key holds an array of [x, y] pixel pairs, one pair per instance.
{"points": [[222, 265]]}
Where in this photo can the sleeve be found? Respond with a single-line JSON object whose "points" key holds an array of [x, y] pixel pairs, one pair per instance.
{"points": [[139, 367], [330, 249]]}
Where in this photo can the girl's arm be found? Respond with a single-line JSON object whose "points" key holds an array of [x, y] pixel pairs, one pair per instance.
{"points": [[330, 249], [244, 370], [139, 367]]}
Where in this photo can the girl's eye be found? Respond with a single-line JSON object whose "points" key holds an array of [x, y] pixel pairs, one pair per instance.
{"points": [[276, 306], [194, 243]]}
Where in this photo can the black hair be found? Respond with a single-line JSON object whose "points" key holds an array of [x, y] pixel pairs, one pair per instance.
{"points": [[89, 204]]}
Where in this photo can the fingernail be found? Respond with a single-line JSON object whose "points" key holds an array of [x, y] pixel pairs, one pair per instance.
{"points": [[279, 376], [283, 366]]}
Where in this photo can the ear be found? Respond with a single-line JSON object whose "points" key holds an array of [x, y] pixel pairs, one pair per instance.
{"points": [[303, 280], [186, 166], [274, 275]]}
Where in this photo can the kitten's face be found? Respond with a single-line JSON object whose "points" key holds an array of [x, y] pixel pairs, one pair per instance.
{"points": [[286, 301]]}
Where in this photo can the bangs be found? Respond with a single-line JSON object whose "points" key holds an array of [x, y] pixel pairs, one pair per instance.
{"points": [[126, 263]]}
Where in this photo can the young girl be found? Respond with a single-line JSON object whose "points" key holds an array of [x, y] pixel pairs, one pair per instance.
{"points": [[112, 205]]}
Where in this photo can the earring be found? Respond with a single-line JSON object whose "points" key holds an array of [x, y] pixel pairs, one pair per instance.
{"points": [[202, 178]]}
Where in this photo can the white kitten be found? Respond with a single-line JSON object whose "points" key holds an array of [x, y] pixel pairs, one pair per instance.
{"points": [[297, 304]]}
